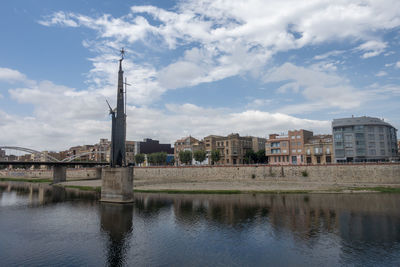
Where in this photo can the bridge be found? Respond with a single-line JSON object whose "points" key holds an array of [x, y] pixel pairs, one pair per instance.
{"points": [[59, 166]]}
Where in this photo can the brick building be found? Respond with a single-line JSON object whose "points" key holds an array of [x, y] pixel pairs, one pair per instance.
{"points": [[319, 149], [289, 149]]}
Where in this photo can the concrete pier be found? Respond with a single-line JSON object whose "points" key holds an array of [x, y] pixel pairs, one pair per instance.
{"points": [[117, 185], [59, 174]]}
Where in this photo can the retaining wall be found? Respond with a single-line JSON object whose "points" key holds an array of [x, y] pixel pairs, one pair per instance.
{"points": [[72, 174], [367, 173]]}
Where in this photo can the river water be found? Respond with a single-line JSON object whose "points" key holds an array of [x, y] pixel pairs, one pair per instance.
{"points": [[45, 226]]}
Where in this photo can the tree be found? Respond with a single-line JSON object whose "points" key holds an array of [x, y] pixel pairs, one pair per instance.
{"points": [[185, 156], [158, 158], [250, 156], [139, 158], [261, 157], [199, 155], [215, 156]]}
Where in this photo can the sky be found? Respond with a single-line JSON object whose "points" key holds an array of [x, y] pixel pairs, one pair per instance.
{"points": [[195, 68]]}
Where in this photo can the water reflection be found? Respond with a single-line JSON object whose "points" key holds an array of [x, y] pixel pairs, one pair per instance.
{"points": [[116, 222], [41, 194], [181, 230]]}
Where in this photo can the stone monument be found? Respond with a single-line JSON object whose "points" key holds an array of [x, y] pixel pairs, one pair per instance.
{"points": [[117, 179]]}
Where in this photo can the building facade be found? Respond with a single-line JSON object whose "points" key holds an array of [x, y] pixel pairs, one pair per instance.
{"points": [[287, 149], [148, 146], [364, 139], [233, 148], [187, 144], [319, 149]]}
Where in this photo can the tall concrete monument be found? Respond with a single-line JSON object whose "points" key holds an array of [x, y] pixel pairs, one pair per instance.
{"points": [[118, 129], [117, 180]]}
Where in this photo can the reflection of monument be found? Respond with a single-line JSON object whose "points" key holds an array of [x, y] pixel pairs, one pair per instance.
{"points": [[116, 221]]}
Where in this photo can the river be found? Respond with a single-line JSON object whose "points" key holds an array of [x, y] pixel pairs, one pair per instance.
{"points": [[42, 225]]}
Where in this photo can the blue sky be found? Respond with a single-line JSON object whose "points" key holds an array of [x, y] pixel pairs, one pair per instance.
{"points": [[196, 67]]}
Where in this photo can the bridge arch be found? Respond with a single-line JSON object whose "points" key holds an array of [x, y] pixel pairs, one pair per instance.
{"points": [[32, 151], [71, 158]]}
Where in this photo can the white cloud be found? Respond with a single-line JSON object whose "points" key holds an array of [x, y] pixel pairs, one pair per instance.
{"points": [[221, 38], [372, 48], [381, 73], [12, 76], [64, 117], [58, 18], [329, 54], [322, 90], [397, 64], [1, 96]]}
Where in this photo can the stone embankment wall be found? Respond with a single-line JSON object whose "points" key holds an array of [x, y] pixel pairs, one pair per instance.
{"points": [[72, 174], [352, 173]]}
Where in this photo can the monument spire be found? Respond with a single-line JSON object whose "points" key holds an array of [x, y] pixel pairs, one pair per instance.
{"points": [[118, 134]]}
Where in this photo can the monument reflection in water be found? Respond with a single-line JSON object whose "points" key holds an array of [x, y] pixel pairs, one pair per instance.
{"points": [[116, 222]]}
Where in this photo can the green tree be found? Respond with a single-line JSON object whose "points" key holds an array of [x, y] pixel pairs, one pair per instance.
{"points": [[250, 157], [157, 158], [185, 156], [199, 155], [139, 158], [261, 157], [215, 156], [161, 158]]}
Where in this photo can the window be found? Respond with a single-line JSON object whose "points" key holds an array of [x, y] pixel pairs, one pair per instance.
{"points": [[338, 143], [284, 151], [381, 137], [349, 152], [348, 144], [328, 150], [371, 145], [382, 144], [359, 136], [293, 150], [372, 152], [381, 129], [359, 127], [348, 138], [370, 129], [299, 150], [308, 151], [298, 143], [284, 144], [293, 137], [360, 151], [328, 159], [298, 137], [382, 152], [371, 136], [338, 137]]}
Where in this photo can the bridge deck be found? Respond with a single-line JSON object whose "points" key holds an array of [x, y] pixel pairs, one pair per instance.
{"points": [[51, 163]]}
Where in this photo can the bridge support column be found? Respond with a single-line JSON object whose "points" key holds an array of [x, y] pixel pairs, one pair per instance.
{"points": [[117, 185], [59, 174], [99, 170]]}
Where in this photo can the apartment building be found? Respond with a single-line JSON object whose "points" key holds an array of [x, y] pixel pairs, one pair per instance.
{"points": [[233, 148], [258, 143], [362, 139], [319, 149], [210, 144], [187, 144], [287, 149]]}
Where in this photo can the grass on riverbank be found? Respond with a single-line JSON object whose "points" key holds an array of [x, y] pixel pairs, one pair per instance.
{"points": [[379, 189], [84, 188], [6, 179], [226, 192]]}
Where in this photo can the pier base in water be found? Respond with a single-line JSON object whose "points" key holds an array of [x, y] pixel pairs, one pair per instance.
{"points": [[117, 185]]}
